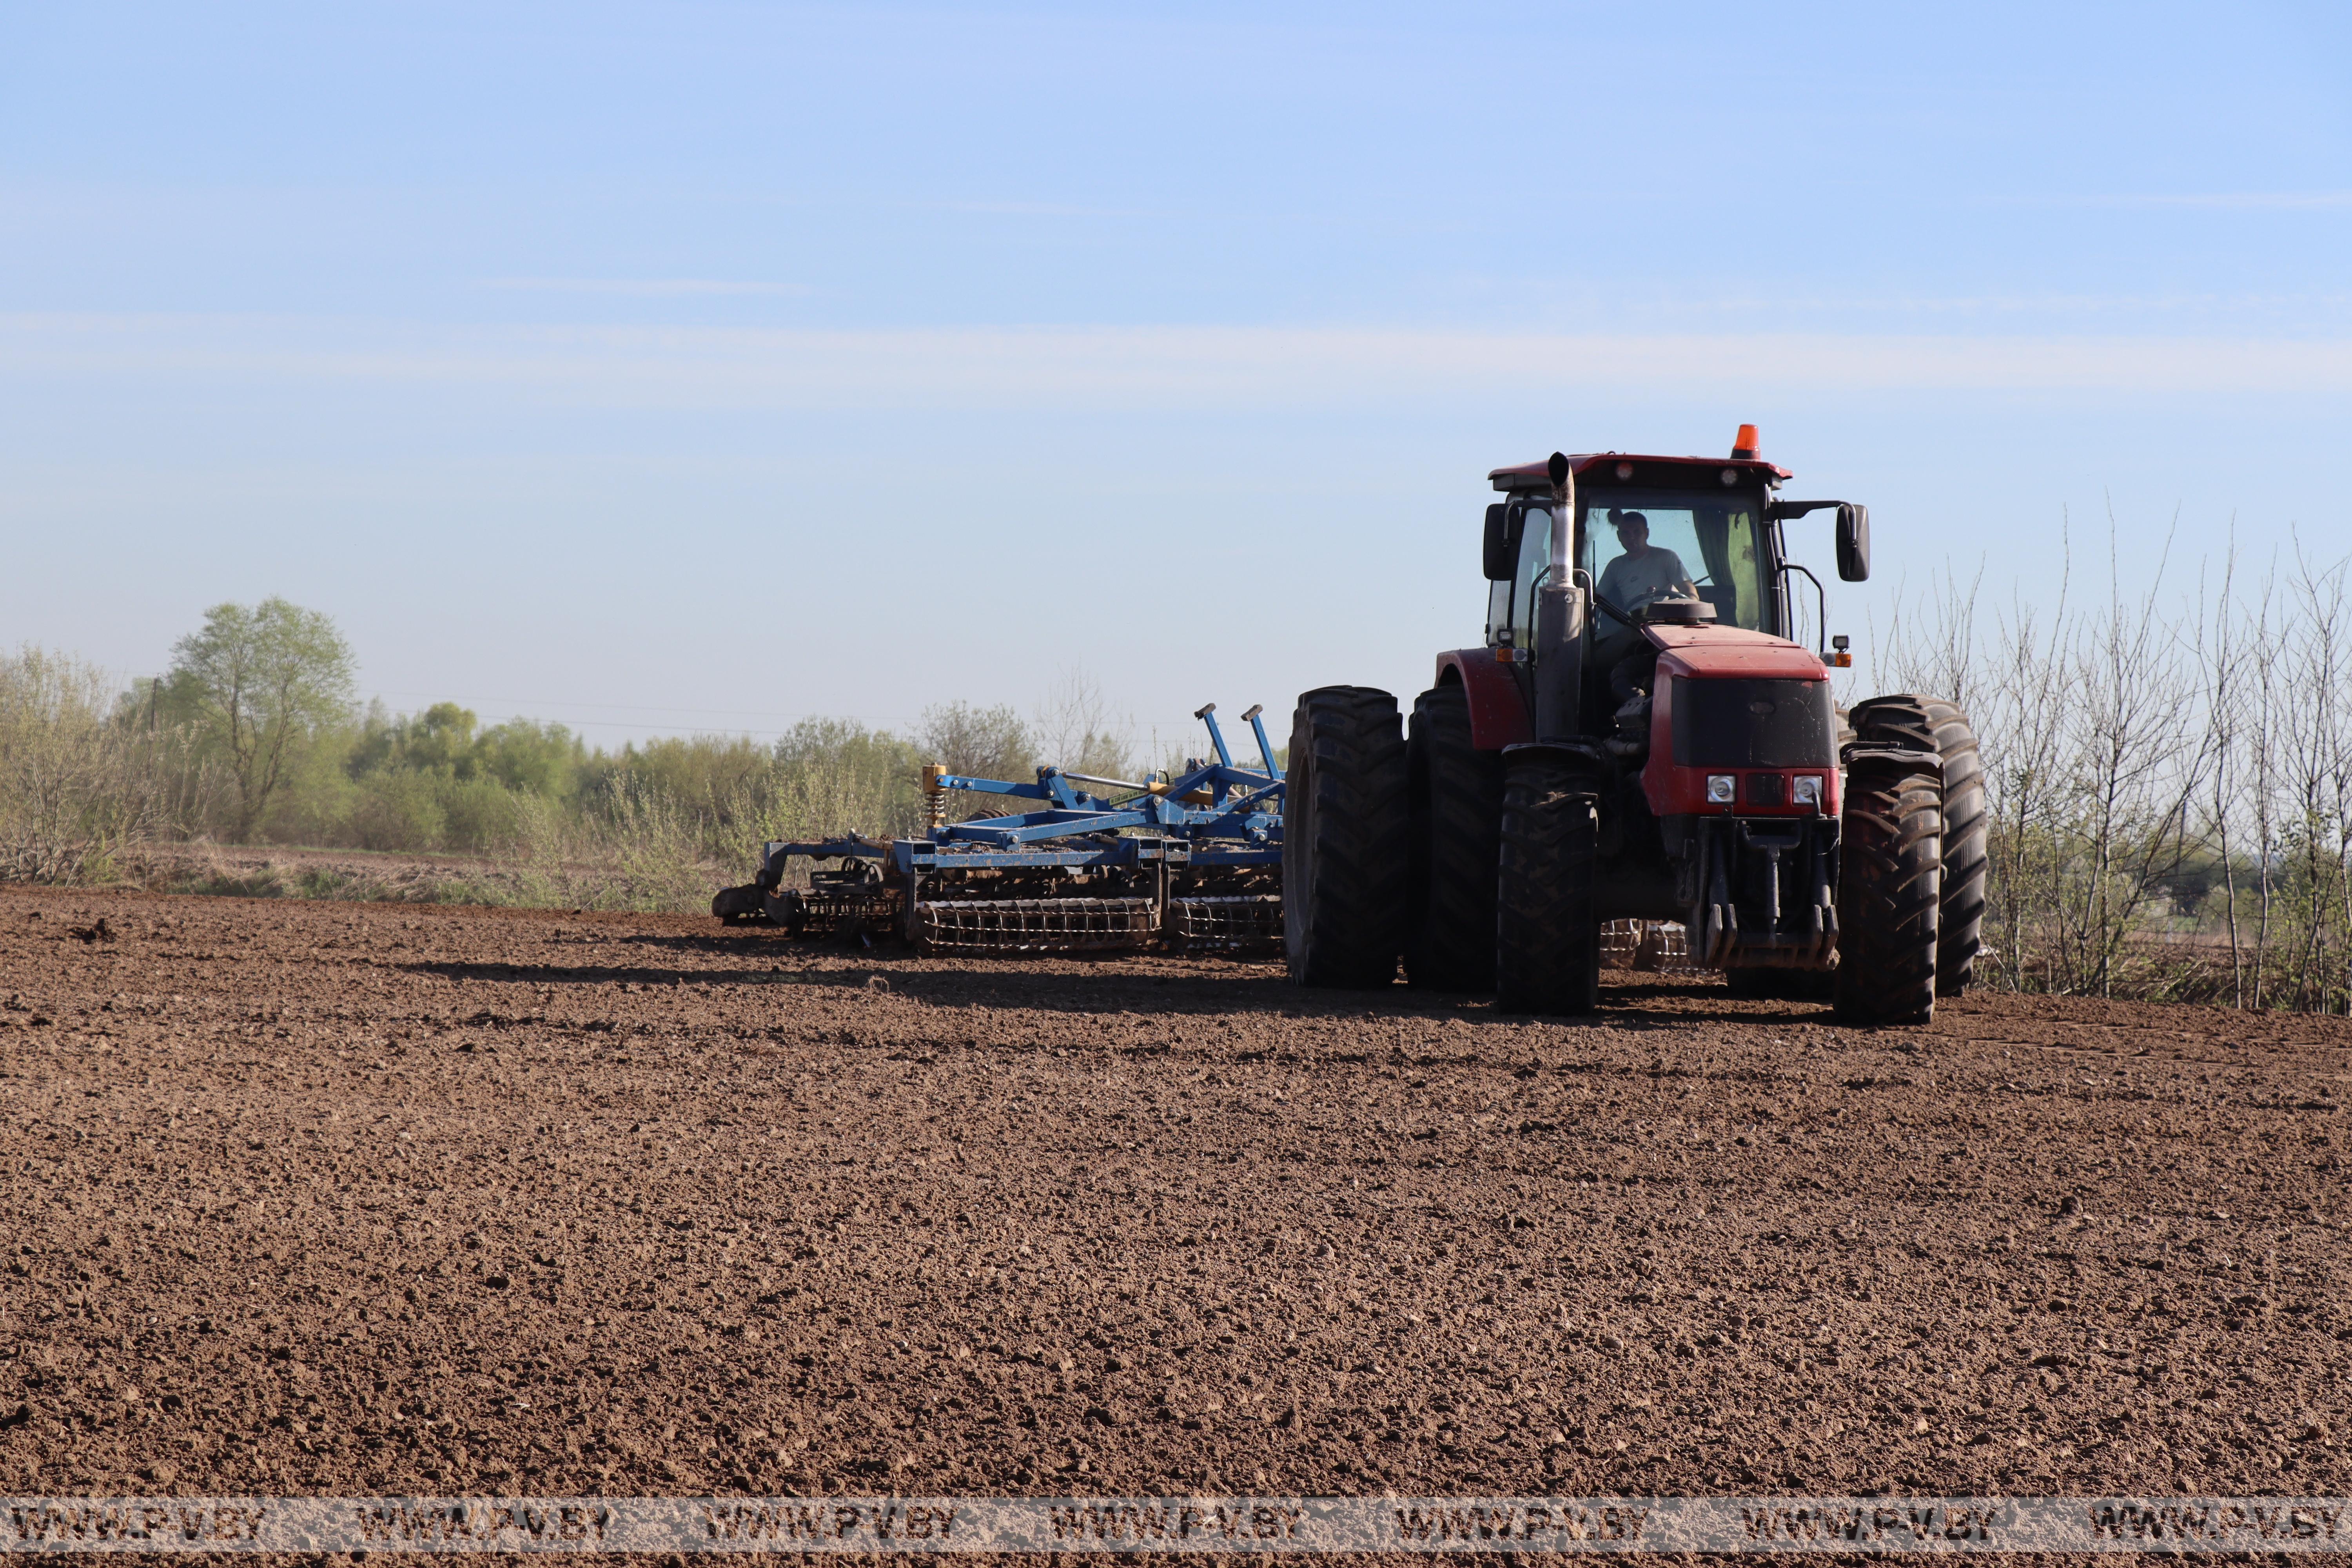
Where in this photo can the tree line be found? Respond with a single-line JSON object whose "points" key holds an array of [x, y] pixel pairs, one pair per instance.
{"points": [[255, 735]]}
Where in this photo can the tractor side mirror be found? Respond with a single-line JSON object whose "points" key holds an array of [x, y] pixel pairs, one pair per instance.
{"points": [[1502, 547], [1853, 542]]}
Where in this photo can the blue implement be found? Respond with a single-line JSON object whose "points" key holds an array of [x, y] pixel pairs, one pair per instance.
{"points": [[1192, 861]]}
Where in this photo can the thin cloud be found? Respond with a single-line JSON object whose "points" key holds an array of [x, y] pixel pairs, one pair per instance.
{"points": [[2228, 201], [649, 288], [1044, 210], [2073, 305], [1003, 368]]}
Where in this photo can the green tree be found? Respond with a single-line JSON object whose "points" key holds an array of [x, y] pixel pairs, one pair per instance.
{"points": [[261, 680], [440, 736], [529, 757]]}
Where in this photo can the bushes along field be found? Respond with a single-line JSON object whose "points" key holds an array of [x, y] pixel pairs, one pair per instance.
{"points": [[255, 737]]}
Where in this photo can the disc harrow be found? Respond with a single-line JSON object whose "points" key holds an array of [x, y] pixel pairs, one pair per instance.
{"points": [[1192, 863]]}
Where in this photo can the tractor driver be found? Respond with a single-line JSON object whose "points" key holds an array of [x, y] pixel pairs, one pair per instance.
{"points": [[1645, 573], [1642, 574]]}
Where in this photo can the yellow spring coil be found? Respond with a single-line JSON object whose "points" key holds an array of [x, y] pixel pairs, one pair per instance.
{"points": [[935, 799]]}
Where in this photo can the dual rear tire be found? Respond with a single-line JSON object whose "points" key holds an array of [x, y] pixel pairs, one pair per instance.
{"points": [[1913, 861], [1936, 728], [1481, 875], [1345, 852], [1454, 804]]}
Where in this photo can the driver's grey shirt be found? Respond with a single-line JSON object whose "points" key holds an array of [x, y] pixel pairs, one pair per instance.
{"points": [[1630, 581]]}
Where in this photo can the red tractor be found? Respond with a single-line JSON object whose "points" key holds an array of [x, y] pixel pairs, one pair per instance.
{"points": [[1639, 739]]}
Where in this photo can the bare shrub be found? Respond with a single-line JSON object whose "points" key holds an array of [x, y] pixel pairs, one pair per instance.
{"points": [[1077, 732], [2315, 770], [78, 788], [985, 743], [2168, 788], [2222, 661], [2138, 755], [834, 776], [637, 848]]}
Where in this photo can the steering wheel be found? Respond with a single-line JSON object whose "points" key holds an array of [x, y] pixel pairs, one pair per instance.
{"points": [[1624, 618]]}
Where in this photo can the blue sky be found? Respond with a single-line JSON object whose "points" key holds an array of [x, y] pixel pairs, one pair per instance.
{"points": [[665, 367]]}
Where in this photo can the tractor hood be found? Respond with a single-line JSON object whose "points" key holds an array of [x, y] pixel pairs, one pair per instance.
{"points": [[1731, 653]]}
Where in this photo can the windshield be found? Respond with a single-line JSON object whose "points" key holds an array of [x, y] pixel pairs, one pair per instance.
{"points": [[1643, 546]]}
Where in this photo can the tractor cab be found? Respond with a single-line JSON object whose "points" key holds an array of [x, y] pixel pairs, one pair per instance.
{"points": [[1634, 541], [1652, 528]]}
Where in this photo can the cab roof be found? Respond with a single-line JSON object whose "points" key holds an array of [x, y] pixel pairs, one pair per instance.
{"points": [[1647, 470]]}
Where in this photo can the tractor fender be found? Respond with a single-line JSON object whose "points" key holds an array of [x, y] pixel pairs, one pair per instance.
{"points": [[1501, 712]]}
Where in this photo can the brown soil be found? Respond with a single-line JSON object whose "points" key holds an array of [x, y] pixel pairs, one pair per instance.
{"points": [[351, 1199]]}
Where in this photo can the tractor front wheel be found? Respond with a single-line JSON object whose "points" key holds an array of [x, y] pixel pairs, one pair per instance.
{"points": [[1344, 846], [1889, 880], [1548, 934], [1931, 724], [1456, 792]]}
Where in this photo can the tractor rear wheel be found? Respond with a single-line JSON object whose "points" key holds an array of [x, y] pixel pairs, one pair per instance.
{"points": [[1932, 724], [1344, 849], [1548, 932], [1455, 794], [1889, 881]]}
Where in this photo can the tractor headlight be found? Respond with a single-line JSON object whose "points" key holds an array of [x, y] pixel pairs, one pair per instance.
{"points": [[1808, 791], [1721, 789]]}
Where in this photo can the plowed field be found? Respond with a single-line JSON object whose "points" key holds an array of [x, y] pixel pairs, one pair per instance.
{"points": [[364, 1199]]}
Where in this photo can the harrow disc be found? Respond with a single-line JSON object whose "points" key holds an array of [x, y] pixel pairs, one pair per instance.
{"points": [[831, 911], [982, 926], [1245, 923]]}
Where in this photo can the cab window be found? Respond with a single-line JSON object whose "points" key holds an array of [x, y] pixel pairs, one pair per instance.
{"points": [[1510, 606], [1642, 547]]}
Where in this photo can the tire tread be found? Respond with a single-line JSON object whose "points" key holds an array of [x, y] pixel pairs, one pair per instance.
{"points": [[1548, 934], [1457, 796], [1927, 723], [1344, 917], [1890, 886]]}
